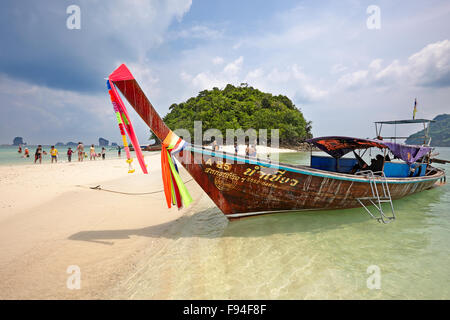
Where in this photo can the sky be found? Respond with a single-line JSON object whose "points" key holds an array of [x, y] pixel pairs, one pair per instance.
{"points": [[326, 56]]}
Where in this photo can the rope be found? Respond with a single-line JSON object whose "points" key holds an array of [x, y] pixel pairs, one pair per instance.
{"points": [[98, 187]]}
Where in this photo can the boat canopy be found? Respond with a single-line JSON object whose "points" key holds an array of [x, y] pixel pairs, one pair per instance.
{"points": [[337, 147], [405, 121]]}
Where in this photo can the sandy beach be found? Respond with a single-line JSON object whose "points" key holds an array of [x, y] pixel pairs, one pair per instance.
{"points": [[51, 219]]}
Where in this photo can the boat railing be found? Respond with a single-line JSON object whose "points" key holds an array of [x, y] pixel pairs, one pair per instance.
{"points": [[376, 199]]}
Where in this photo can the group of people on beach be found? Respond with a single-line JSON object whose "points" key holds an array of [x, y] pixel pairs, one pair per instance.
{"points": [[54, 153], [250, 149], [82, 154]]}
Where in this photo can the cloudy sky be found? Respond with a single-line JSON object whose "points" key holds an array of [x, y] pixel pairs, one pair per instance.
{"points": [[321, 54]]}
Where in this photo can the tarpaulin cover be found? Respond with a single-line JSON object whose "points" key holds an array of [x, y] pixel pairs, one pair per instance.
{"points": [[339, 146], [407, 153]]}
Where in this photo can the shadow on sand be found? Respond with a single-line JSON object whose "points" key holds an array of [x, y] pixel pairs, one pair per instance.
{"points": [[211, 223]]}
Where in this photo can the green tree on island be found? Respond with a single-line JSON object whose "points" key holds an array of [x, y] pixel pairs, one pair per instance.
{"points": [[241, 107]]}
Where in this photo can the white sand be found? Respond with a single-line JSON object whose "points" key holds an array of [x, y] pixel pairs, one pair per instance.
{"points": [[51, 219]]}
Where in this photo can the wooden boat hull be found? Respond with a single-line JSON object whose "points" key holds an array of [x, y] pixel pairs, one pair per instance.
{"points": [[242, 186]]}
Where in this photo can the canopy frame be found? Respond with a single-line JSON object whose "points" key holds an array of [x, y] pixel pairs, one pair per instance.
{"points": [[426, 129]]}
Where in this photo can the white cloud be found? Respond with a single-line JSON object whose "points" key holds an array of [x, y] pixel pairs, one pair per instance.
{"points": [[234, 67], [254, 74], [146, 77], [288, 38], [353, 79], [428, 67], [208, 79], [338, 68], [391, 73], [376, 64], [200, 32], [217, 60], [291, 81], [431, 65]]}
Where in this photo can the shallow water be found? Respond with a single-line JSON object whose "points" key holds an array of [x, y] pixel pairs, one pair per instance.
{"points": [[307, 255]]}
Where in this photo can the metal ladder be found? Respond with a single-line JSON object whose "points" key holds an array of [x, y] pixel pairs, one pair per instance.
{"points": [[376, 199]]}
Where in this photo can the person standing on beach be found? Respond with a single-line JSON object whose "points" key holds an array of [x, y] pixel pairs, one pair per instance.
{"points": [[252, 151], [38, 154], [80, 149], [119, 150], [54, 154], [92, 152], [103, 153], [215, 146], [69, 154]]}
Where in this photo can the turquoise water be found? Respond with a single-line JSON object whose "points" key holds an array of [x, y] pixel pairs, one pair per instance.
{"points": [[10, 156], [303, 255]]}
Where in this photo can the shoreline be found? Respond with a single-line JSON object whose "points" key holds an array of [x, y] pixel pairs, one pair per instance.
{"points": [[62, 158]]}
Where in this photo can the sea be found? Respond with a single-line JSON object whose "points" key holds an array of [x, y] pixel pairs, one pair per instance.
{"points": [[334, 254]]}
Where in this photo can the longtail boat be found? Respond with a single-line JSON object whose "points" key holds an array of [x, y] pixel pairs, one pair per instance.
{"points": [[243, 185]]}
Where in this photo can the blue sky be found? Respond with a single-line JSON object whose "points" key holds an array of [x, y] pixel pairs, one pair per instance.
{"points": [[321, 54]]}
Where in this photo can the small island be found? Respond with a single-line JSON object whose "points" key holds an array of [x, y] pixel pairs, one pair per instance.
{"points": [[241, 107], [102, 142], [439, 132], [17, 141]]}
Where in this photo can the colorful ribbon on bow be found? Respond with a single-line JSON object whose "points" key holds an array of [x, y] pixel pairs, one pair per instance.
{"points": [[124, 123], [174, 189]]}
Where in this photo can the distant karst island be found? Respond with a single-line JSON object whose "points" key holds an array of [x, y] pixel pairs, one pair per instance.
{"points": [[439, 132], [102, 142], [17, 141]]}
